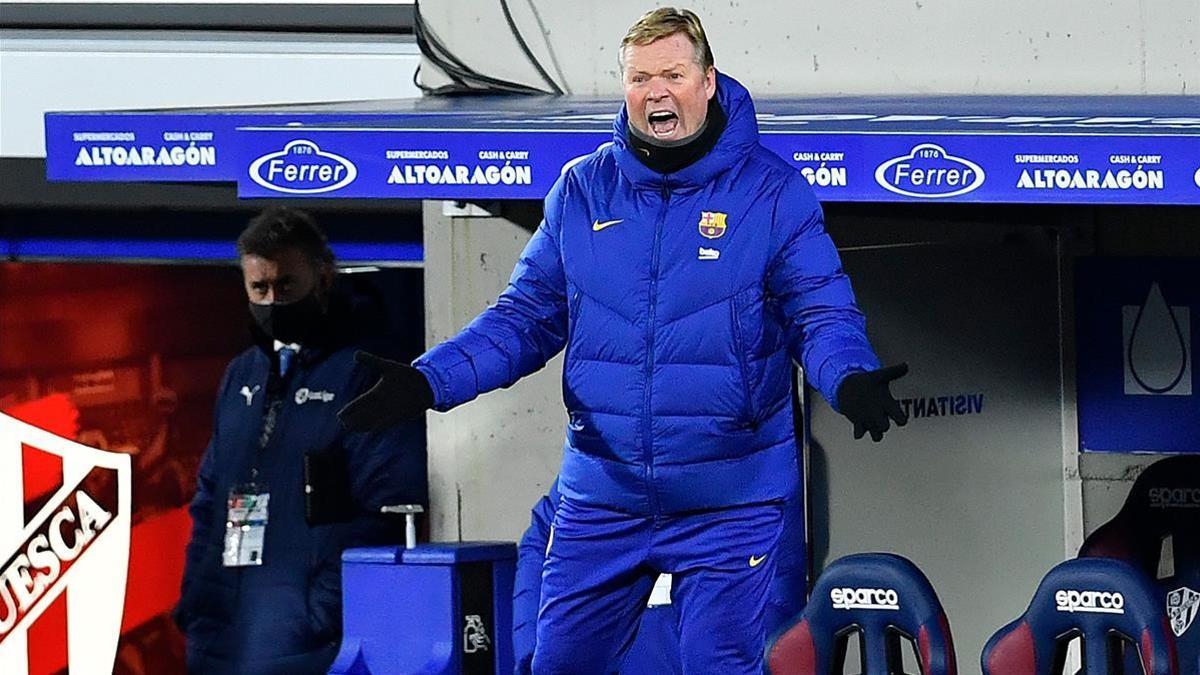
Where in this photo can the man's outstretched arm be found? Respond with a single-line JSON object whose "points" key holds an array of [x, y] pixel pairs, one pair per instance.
{"points": [[514, 337], [825, 330]]}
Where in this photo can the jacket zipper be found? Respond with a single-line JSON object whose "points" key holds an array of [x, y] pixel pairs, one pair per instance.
{"points": [[647, 419]]}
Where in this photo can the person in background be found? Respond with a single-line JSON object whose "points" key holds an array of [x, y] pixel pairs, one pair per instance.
{"points": [[283, 488]]}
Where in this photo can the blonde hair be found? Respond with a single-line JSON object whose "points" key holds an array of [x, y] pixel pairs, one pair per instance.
{"points": [[665, 22]]}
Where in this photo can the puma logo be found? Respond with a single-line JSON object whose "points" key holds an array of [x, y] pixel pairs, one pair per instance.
{"points": [[249, 393]]}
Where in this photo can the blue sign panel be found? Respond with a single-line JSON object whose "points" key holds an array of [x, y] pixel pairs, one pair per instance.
{"points": [[147, 147], [153, 146], [840, 167], [1081, 150], [406, 165], [1136, 340]]}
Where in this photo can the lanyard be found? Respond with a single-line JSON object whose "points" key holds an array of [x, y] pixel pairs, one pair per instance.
{"points": [[272, 405]]}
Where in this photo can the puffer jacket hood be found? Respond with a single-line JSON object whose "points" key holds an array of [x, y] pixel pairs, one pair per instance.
{"points": [[738, 139]]}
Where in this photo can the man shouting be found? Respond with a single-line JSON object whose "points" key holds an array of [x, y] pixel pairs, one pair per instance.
{"points": [[681, 268]]}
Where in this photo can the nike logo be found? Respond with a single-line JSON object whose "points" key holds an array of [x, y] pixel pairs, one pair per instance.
{"points": [[597, 225], [755, 562]]}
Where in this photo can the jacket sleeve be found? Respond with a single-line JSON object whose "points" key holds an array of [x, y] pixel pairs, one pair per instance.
{"points": [[386, 467], [518, 334], [824, 328], [201, 511], [324, 583]]}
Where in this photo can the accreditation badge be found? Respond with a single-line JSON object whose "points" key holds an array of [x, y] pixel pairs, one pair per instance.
{"points": [[245, 525]]}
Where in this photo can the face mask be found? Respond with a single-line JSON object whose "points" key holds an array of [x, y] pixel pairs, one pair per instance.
{"points": [[292, 322]]}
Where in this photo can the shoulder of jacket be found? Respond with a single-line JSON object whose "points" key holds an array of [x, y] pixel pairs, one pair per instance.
{"points": [[774, 167], [250, 358], [587, 167], [343, 357], [243, 369], [786, 181]]}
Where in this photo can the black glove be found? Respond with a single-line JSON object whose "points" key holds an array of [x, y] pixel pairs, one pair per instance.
{"points": [[866, 400], [401, 394]]}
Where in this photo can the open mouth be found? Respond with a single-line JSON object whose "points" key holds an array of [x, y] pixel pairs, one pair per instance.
{"points": [[662, 122]]}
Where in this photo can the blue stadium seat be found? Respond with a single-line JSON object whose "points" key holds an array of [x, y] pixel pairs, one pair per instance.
{"points": [[882, 597], [1163, 503], [1108, 604]]}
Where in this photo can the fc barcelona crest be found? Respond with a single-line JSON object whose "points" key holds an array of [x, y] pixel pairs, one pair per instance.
{"points": [[712, 224], [1182, 605]]}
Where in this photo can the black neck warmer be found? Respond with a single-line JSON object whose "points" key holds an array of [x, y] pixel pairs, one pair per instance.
{"points": [[673, 156]]}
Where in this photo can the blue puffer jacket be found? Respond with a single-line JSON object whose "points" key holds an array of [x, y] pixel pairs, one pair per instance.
{"points": [[679, 299]]}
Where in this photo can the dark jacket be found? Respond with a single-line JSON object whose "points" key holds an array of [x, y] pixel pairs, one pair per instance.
{"points": [[680, 299], [285, 616]]}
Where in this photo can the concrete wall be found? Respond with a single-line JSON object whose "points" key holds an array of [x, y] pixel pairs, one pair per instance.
{"points": [[489, 460], [858, 47]]}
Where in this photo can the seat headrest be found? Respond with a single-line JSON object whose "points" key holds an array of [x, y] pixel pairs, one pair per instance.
{"points": [[881, 595], [1092, 598], [1164, 500]]}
